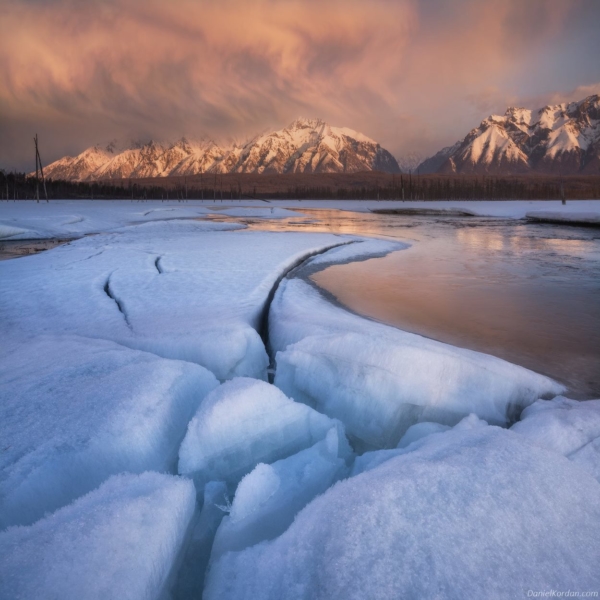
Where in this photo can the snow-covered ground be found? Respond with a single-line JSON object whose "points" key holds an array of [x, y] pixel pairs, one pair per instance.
{"points": [[190, 290], [74, 218], [146, 347]]}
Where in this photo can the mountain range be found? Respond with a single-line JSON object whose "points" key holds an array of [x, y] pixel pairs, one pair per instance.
{"points": [[560, 139], [306, 146]]}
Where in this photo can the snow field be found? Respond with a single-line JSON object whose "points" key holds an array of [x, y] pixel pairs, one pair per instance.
{"points": [[185, 290], [245, 422], [75, 411], [122, 541], [378, 380], [569, 427], [472, 513], [83, 402], [74, 218]]}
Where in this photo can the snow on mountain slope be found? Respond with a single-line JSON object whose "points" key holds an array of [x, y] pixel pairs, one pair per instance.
{"points": [[81, 166], [313, 146], [564, 138], [409, 162], [306, 146]]}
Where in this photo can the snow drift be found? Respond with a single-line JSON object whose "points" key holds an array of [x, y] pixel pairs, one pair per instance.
{"points": [[120, 541], [465, 514], [569, 427], [75, 411]]}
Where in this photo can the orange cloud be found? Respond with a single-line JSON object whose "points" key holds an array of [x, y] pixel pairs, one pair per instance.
{"points": [[402, 71]]}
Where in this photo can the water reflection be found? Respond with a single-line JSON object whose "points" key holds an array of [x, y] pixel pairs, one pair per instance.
{"points": [[524, 292]]}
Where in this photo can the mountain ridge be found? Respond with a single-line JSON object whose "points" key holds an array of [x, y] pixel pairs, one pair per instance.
{"points": [[563, 138], [305, 146]]}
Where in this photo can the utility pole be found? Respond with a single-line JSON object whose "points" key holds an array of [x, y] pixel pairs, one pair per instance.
{"points": [[38, 161]]}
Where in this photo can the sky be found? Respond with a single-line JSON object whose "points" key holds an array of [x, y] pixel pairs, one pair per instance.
{"points": [[415, 75]]}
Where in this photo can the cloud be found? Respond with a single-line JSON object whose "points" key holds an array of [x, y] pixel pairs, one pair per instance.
{"points": [[409, 73]]}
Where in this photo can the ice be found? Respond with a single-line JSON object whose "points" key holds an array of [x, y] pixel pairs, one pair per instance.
{"points": [[410, 441], [420, 430], [190, 581], [268, 498], [475, 513], [565, 217], [245, 422], [7, 232], [570, 427], [273, 212], [186, 290], [120, 541], [353, 252], [74, 411], [73, 218], [379, 380]]}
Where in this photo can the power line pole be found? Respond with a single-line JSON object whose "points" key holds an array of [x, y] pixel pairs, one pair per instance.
{"points": [[38, 161]]}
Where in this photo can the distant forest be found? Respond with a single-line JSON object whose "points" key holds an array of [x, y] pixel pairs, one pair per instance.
{"points": [[327, 186]]}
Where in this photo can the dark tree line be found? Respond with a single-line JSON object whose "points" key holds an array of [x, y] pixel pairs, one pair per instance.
{"points": [[458, 188], [19, 186]]}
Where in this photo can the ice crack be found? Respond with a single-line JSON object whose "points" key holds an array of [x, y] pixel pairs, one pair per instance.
{"points": [[264, 319], [119, 304]]}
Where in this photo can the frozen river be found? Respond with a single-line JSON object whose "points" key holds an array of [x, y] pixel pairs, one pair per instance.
{"points": [[140, 434], [528, 293], [522, 291]]}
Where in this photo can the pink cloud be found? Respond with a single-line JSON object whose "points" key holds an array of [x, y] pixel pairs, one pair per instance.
{"points": [[406, 72]]}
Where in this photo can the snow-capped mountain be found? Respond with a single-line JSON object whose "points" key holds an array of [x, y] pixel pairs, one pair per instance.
{"points": [[409, 162], [306, 146], [564, 138]]}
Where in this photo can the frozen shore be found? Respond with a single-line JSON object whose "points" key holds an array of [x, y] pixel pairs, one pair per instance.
{"points": [[141, 441], [74, 218]]}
